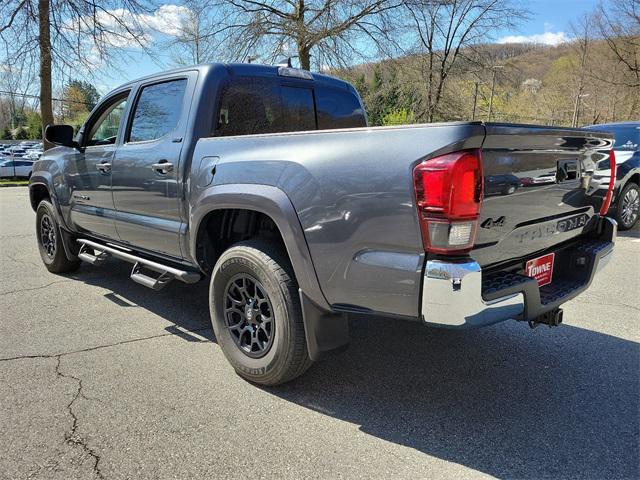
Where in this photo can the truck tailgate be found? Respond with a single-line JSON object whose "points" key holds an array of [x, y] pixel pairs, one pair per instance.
{"points": [[538, 189]]}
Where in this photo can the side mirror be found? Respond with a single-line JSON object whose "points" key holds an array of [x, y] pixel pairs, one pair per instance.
{"points": [[61, 135]]}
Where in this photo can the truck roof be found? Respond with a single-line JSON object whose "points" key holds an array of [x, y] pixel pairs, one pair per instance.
{"points": [[240, 69]]}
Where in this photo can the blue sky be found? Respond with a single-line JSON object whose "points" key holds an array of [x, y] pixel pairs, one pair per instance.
{"points": [[549, 23]]}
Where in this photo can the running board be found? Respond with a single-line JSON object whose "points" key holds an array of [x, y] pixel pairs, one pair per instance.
{"points": [[141, 275], [92, 258], [141, 268]]}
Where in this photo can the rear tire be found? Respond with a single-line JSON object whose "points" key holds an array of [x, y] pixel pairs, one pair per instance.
{"points": [[628, 207], [50, 241], [256, 313]]}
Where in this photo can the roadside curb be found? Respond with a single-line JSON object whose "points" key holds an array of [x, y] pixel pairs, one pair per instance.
{"points": [[14, 185]]}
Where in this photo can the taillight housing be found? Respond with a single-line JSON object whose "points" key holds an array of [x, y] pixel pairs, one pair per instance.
{"points": [[606, 203], [448, 192]]}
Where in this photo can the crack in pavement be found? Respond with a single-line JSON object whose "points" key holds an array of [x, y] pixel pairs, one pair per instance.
{"points": [[99, 347], [34, 288], [23, 262], [17, 235], [73, 437]]}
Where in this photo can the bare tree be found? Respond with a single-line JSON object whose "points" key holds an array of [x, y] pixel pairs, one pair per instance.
{"points": [[16, 82], [196, 37], [446, 31], [73, 34], [318, 32], [618, 23], [581, 45]]}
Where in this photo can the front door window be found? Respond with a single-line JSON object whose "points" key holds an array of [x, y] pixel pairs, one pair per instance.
{"points": [[104, 131]]}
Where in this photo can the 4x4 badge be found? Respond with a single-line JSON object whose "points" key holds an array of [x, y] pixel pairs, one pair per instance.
{"points": [[490, 222]]}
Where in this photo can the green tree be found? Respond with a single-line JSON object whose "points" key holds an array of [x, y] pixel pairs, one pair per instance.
{"points": [[79, 97], [6, 133], [34, 125], [399, 117], [21, 134]]}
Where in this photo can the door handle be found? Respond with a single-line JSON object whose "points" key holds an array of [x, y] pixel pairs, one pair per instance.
{"points": [[104, 167], [162, 167]]}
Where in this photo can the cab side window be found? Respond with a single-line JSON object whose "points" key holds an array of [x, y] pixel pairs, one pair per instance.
{"points": [[104, 130], [249, 106], [158, 110], [338, 109], [299, 109]]}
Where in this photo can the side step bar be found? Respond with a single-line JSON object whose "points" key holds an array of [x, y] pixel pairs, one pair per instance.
{"points": [[141, 269]]}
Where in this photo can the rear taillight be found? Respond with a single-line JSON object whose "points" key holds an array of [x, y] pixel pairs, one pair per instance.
{"points": [[448, 196], [606, 203]]}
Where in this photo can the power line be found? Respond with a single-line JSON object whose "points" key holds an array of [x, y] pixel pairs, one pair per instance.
{"points": [[26, 95]]}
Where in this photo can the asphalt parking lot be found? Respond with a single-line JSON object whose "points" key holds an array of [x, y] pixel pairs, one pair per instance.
{"points": [[101, 377]]}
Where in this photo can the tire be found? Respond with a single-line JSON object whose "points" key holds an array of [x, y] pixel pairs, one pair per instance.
{"points": [[267, 347], [628, 206], [50, 241], [510, 190]]}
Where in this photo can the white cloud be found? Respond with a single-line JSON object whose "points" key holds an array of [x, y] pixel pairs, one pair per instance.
{"points": [[547, 38], [167, 19], [123, 29]]}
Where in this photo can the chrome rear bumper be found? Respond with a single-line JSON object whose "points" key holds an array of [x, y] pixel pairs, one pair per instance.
{"points": [[454, 295]]}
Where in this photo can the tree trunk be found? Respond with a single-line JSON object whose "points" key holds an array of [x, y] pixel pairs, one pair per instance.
{"points": [[44, 41], [304, 55], [304, 50]]}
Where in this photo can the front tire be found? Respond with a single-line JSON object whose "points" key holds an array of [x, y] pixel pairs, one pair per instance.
{"points": [[256, 313], [50, 241], [628, 208]]}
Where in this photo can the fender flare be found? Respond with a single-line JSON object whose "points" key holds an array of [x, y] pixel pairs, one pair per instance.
{"points": [[64, 231], [326, 331], [273, 202]]}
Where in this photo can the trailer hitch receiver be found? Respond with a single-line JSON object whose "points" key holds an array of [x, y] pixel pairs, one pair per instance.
{"points": [[553, 318]]}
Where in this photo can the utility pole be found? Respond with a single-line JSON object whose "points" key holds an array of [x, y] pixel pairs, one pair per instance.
{"points": [[493, 87], [475, 101]]}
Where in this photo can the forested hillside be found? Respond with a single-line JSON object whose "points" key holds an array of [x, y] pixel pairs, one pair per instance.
{"points": [[533, 84]]}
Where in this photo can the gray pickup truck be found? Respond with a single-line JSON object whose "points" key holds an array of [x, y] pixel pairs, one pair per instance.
{"points": [[267, 181]]}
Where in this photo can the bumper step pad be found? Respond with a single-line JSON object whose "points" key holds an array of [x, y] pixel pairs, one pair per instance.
{"points": [[575, 268]]}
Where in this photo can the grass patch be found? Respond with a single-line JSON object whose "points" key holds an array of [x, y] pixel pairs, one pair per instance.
{"points": [[4, 181]]}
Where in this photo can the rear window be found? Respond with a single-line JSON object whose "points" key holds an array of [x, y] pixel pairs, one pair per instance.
{"points": [[338, 109]]}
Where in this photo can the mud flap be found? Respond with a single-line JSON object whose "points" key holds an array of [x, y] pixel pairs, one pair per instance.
{"points": [[326, 332]]}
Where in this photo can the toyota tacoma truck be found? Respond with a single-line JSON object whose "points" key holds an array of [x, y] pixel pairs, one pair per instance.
{"points": [[267, 182]]}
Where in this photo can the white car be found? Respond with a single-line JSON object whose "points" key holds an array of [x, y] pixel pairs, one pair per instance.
{"points": [[33, 154], [15, 168]]}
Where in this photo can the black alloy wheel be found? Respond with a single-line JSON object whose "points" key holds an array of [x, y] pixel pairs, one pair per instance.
{"points": [[48, 236], [249, 315]]}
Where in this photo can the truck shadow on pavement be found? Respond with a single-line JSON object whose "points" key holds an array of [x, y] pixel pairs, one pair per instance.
{"points": [[186, 306], [503, 400]]}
